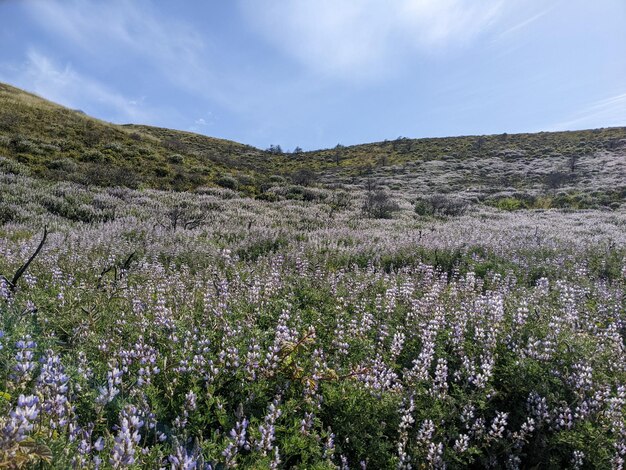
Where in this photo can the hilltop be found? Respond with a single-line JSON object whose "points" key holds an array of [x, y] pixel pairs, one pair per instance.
{"points": [[575, 169]]}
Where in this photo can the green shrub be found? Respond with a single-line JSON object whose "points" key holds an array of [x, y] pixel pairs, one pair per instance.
{"points": [[442, 205], [176, 159], [162, 171], [11, 166], [94, 156], [64, 165], [228, 182]]}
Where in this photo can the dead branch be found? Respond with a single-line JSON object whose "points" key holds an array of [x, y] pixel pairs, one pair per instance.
{"points": [[117, 275], [22, 269]]}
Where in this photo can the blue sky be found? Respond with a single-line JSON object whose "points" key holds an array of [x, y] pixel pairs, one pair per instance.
{"points": [[314, 73]]}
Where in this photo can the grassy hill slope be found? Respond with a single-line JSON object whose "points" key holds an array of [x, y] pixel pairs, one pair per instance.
{"points": [[52, 142], [55, 142]]}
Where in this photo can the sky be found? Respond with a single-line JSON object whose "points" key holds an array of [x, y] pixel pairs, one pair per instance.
{"points": [[316, 73]]}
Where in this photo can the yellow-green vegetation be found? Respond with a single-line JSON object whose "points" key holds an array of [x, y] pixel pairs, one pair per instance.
{"points": [[53, 142], [63, 144]]}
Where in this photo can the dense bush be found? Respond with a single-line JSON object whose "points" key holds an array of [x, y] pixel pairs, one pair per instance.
{"points": [[176, 158], [304, 177], [228, 182], [440, 204], [11, 166], [379, 204], [110, 176], [63, 164]]}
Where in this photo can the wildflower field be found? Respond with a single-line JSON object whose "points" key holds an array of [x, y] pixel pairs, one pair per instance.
{"points": [[211, 330]]}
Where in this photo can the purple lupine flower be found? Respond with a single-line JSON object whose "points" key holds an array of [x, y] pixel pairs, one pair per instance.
{"points": [[440, 383], [25, 363], [20, 421], [577, 461], [182, 460], [498, 425], [253, 358], [126, 439], [461, 444], [329, 446], [190, 405], [237, 441], [52, 383], [406, 422], [275, 460], [99, 444], [267, 429], [114, 380], [306, 423], [435, 455]]}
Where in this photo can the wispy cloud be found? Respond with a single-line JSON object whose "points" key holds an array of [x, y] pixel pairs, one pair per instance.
{"points": [[526, 22], [607, 112], [132, 31], [64, 85], [357, 39]]}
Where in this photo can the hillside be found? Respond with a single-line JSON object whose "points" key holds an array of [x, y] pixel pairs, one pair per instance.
{"points": [[59, 143], [433, 303], [582, 168]]}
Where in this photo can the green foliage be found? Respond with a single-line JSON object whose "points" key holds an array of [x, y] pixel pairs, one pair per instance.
{"points": [[440, 205], [228, 182], [260, 248], [608, 198], [365, 425], [39, 134]]}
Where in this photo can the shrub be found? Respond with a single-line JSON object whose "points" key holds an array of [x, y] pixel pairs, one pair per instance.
{"points": [[340, 200], [7, 214], [92, 136], [162, 171], [269, 197], [176, 158], [304, 177], [8, 121], [441, 205], [173, 144], [111, 176], [557, 179], [228, 182], [277, 179], [94, 156], [11, 166], [63, 164], [379, 205], [301, 193], [222, 193], [21, 144], [114, 147], [245, 180]]}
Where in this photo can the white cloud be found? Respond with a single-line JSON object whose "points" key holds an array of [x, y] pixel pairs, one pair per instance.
{"points": [[362, 38], [608, 112], [62, 84], [125, 30]]}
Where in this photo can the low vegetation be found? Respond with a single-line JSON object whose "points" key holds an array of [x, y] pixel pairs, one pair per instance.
{"points": [[451, 305]]}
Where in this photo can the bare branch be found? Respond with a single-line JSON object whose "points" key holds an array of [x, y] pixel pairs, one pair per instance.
{"points": [[24, 267]]}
